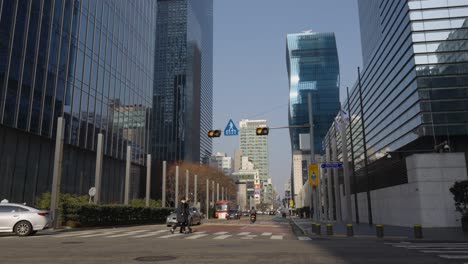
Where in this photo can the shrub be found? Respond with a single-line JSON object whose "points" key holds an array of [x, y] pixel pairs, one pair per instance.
{"points": [[460, 196]]}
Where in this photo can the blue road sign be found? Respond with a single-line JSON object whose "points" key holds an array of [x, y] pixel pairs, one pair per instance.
{"points": [[331, 165], [231, 129]]}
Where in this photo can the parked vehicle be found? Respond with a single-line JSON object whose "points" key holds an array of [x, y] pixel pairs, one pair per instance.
{"points": [[233, 214], [195, 217], [21, 219]]}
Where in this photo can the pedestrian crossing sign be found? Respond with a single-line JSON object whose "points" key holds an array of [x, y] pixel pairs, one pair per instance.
{"points": [[231, 129]]}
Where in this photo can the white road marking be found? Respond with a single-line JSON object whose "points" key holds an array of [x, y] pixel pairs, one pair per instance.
{"points": [[304, 238], [127, 233], [100, 234], [196, 236], [267, 234], [223, 236], [220, 233], [150, 234], [276, 237], [454, 256], [171, 235], [75, 234], [243, 233], [249, 237], [443, 251]]}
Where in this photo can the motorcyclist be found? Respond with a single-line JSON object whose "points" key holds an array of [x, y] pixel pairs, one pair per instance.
{"points": [[253, 211], [253, 215]]}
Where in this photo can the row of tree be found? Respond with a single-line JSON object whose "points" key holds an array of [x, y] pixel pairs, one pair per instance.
{"points": [[203, 173]]}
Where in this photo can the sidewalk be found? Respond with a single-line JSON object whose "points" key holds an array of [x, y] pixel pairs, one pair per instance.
{"points": [[363, 230]]}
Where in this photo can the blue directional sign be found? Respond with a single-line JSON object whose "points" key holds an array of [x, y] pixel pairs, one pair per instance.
{"points": [[231, 129], [337, 165]]}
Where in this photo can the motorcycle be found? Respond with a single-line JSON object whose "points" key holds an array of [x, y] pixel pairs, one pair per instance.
{"points": [[253, 218]]}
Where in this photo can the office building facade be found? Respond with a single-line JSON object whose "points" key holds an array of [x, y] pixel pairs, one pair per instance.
{"points": [[253, 146], [418, 102], [183, 82], [74, 59]]}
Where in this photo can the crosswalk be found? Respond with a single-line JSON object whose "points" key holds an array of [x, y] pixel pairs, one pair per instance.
{"points": [[157, 234], [452, 251]]}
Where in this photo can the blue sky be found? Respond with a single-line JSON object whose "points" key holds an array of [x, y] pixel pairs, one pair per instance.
{"points": [[250, 75]]}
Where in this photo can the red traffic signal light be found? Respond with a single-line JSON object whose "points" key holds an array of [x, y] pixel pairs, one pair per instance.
{"points": [[262, 131], [214, 133]]}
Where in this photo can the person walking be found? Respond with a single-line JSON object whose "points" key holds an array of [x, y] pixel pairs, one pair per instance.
{"points": [[183, 215]]}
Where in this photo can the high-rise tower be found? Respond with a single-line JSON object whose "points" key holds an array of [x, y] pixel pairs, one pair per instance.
{"points": [[183, 82]]}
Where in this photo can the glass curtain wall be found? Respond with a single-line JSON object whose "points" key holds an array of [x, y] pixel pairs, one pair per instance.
{"points": [[183, 84]]}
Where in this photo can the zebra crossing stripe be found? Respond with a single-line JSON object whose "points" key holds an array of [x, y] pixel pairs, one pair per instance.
{"points": [[304, 238], [276, 237], [223, 236], [266, 234], [196, 236], [75, 234], [171, 235], [454, 256], [127, 233], [150, 234], [443, 251], [243, 233], [220, 233], [100, 234], [249, 237]]}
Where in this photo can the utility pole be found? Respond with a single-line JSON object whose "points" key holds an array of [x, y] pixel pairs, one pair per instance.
{"points": [[369, 203], [356, 209]]}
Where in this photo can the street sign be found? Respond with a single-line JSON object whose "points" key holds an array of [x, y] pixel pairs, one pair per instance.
{"points": [[231, 129], [338, 165], [313, 175]]}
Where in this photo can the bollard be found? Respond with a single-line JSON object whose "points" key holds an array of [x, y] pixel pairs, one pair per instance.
{"points": [[379, 230], [329, 229], [418, 231], [349, 230], [318, 230], [313, 227]]}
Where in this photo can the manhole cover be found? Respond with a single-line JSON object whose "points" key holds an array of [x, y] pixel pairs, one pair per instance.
{"points": [[72, 242], [155, 258]]}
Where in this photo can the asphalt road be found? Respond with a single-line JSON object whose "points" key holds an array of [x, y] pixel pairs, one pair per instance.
{"points": [[269, 240]]}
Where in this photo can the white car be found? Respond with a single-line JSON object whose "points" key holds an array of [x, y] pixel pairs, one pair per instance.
{"points": [[21, 219]]}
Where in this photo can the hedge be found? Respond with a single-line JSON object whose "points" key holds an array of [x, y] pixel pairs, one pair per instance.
{"points": [[110, 215]]}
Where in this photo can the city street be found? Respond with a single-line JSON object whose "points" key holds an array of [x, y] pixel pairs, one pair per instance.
{"points": [[269, 240]]}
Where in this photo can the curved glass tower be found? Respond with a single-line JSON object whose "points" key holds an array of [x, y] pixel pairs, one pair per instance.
{"points": [[312, 61]]}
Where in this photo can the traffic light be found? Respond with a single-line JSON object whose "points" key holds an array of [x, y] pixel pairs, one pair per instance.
{"points": [[214, 133], [262, 131]]}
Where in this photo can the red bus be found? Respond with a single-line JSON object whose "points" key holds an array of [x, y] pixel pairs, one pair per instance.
{"points": [[222, 207]]}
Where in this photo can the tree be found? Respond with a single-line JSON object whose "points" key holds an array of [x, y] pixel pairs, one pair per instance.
{"points": [[203, 173]]}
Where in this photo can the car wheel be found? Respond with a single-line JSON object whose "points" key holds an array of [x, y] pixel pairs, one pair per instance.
{"points": [[23, 228]]}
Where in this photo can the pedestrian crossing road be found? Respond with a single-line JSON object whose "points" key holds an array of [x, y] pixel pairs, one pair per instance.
{"points": [[451, 251], [158, 234]]}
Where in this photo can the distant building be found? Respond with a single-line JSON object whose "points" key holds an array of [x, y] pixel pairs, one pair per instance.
{"points": [[222, 162], [313, 68], [253, 146], [248, 182]]}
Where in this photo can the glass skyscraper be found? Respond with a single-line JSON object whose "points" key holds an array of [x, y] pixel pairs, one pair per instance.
{"points": [[312, 62], [90, 62], [414, 83], [183, 82]]}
